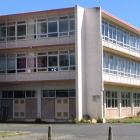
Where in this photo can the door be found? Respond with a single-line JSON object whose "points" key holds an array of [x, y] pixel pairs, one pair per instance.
{"points": [[19, 108], [61, 108]]}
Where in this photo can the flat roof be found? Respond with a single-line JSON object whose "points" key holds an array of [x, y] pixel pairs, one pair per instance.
{"points": [[120, 22]]}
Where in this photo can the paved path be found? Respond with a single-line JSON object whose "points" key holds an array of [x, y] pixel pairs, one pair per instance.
{"points": [[75, 132]]}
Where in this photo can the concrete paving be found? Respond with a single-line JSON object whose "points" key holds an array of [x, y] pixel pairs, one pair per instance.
{"points": [[74, 132]]}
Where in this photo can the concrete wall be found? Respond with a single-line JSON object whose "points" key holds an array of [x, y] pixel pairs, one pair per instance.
{"points": [[37, 76]]}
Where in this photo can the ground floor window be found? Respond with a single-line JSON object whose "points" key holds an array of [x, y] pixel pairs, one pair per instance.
{"points": [[136, 97], [111, 99], [125, 99], [58, 93]]}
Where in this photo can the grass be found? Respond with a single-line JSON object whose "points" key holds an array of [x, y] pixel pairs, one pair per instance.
{"points": [[12, 133], [125, 120]]}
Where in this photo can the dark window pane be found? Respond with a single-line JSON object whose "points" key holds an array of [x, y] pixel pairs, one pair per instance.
{"points": [[61, 93], [52, 61], [19, 94]]}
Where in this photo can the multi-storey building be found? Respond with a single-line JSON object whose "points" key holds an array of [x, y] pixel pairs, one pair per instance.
{"points": [[63, 64]]}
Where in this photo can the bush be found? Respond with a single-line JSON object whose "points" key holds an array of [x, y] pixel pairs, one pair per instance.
{"points": [[99, 120]]}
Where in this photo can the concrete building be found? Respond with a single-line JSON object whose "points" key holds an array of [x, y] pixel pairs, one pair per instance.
{"points": [[62, 64]]}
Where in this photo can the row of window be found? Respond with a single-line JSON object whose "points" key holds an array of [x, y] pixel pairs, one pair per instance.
{"points": [[58, 93], [32, 93], [18, 94], [122, 37], [46, 61], [121, 66], [40, 28], [112, 99]]}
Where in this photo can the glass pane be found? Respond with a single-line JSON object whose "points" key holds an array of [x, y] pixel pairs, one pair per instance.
{"points": [[63, 60], [52, 27], [61, 93], [63, 27], [21, 30], [52, 61]]}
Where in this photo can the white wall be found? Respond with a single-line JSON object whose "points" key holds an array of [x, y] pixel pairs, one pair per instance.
{"points": [[93, 65], [89, 50]]}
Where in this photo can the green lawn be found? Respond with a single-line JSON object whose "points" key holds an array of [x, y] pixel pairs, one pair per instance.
{"points": [[12, 133], [125, 120]]}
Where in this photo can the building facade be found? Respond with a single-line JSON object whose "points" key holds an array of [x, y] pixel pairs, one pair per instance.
{"points": [[58, 65]]}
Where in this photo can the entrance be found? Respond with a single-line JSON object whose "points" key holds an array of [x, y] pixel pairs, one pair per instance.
{"points": [[19, 108], [62, 104], [61, 108], [19, 104]]}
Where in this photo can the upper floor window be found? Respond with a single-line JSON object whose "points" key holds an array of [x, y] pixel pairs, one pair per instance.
{"points": [[63, 60], [52, 27], [42, 61], [42, 28], [11, 64], [63, 26], [21, 63], [2, 63], [120, 36], [11, 32], [21, 30], [38, 28], [2, 32], [53, 61]]}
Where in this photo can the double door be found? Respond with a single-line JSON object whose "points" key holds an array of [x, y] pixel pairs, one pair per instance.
{"points": [[62, 108], [19, 108]]}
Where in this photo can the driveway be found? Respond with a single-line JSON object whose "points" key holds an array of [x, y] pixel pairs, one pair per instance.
{"points": [[75, 132]]}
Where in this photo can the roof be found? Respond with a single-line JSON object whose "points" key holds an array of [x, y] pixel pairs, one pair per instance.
{"points": [[120, 22]]}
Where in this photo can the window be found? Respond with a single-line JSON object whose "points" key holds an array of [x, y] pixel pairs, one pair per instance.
{"points": [[48, 93], [52, 28], [72, 59], [30, 94], [21, 63], [7, 94], [11, 32], [63, 26], [136, 97], [111, 99], [11, 68], [2, 63], [21, 30], [71, 25], [42, 28], [2, 32], [19, 94], [125, 99], [42, 61], [31, 29], [52, 61], [72, 93], [63, 60], [61, 93]]}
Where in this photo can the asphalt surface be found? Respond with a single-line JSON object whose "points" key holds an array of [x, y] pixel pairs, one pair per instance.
{"points": [[74, 131]]}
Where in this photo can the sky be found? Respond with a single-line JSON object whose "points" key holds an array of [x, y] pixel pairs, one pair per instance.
{"points": [[128, 10]]}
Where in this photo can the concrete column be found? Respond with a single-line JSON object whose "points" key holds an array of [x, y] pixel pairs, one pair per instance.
{"points": [[104, 103], [119, 104], [79, 66], [132, 104], [38, 103]]}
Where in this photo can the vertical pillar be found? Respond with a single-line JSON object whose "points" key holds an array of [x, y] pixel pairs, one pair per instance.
{"points": [[132, 104], [119, 104], [104, 104], [38, 103]]}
